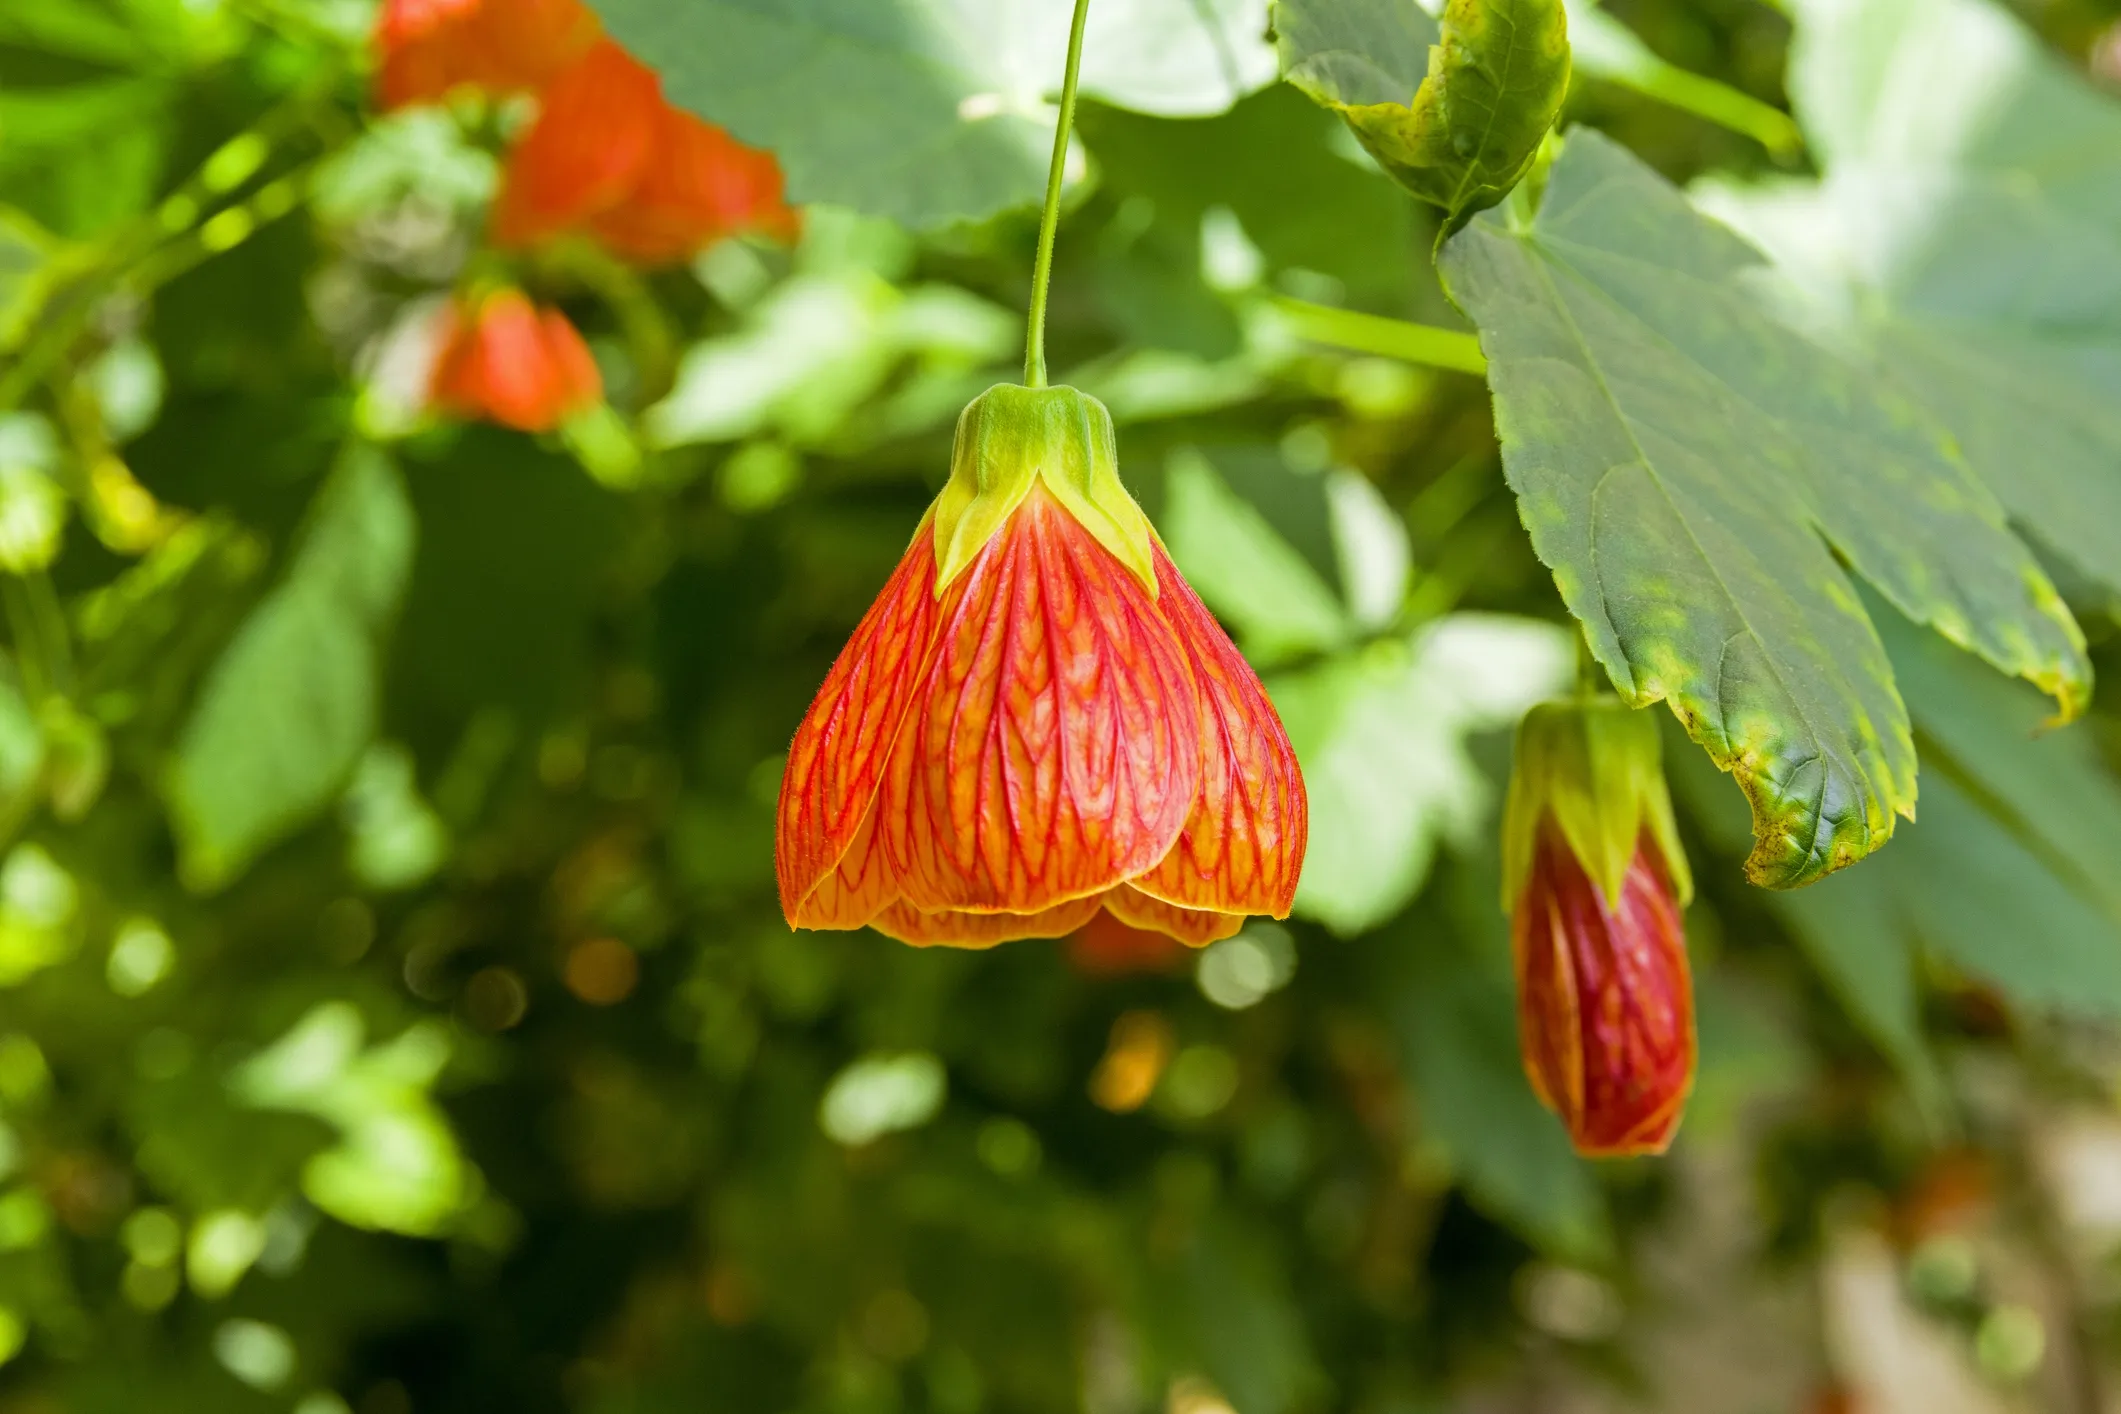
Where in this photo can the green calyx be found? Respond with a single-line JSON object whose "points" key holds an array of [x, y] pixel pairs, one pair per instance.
{"points": [[1595, 766], [1011, 438]]}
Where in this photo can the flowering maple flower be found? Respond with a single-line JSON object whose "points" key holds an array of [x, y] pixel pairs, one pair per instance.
{"points": [[428, 48], [1594, 880], [507, 361], [1038, 719], [608, 155]]}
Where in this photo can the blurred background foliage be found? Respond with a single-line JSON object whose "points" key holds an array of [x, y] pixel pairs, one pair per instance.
{"points": [[395, 1013]]}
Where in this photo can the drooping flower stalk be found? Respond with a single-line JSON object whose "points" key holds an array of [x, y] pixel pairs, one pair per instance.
{"points": [[1038, 720]]}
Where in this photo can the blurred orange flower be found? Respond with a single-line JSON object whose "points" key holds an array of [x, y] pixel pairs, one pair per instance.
{"points": [[505, 360], [1038, 719], [427, 48], [608, 155]]}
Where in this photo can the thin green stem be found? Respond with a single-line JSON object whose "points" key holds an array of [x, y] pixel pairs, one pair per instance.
{"points": [[1049, 222], [1390, 338]]}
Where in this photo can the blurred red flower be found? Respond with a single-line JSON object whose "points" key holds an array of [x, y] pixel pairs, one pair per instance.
{"points": [[505, 360], [609, 156], [426, 48], [1106, 947]]}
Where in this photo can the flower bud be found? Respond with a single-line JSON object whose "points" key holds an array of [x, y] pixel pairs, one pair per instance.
{"points": [[1594, 881]]}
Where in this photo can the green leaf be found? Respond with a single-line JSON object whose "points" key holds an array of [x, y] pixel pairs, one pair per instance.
{"points": [[1684, 462], [1381, 737], [1456, 112], [1452, 1004], [1849, 926], [1967, 238], [1239, 1319], [1259, 585], [2007, 874], [285, 714], [930, 111], [82, 157]]}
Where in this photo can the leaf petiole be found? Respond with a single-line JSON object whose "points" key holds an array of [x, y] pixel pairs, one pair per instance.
{"points": [[1390, 338]]}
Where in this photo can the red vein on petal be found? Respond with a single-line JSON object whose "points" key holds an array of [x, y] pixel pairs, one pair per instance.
{"points": [[837, 761], [1045, 759], [1243, 844]]}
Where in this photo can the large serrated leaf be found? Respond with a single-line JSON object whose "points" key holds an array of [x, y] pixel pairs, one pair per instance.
{"points": [[1684, 463], [1967, 237], [931, 111], [1454, 112]]}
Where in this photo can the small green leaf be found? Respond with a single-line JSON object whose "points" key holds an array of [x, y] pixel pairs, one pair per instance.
{"points": [[1684, 461], [930, 111], [287, 711], [1456, 112]]}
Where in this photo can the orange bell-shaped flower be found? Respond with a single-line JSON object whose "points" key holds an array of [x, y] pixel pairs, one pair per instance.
{"points": [[1594, 883], [608, 155], [427, 48], [505, 360], [1038, 719]]}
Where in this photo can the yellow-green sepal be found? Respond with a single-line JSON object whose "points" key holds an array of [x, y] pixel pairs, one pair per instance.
{"points": [[1595, 766], [1011, 438]]}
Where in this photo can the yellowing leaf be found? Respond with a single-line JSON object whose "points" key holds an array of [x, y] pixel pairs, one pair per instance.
{"points": [[1689, 467]]}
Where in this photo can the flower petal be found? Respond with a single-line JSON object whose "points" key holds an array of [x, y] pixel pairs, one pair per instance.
{"points": [[854, 891], [1243, 843], [596, 128], [952, 928], [697, 185], [836, 763], [1194, 927], [1050, 754]]}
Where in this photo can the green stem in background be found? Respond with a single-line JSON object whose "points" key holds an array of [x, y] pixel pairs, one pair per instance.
{"points": [[1049, 222], [1724, 106], [1390, 338], [1607, 49]]}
